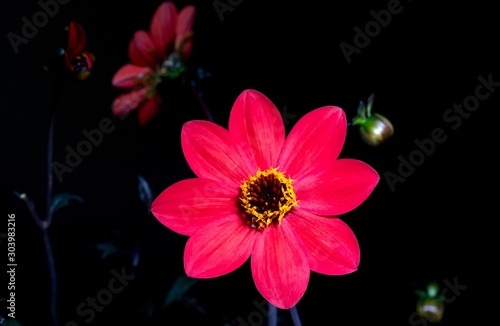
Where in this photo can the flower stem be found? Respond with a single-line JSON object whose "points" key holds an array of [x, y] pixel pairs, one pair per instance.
{"points": [[295, 316], [53, 277], [272, 319], [50, 179], [46, 223], [199, 97], [31, 209], [48, 209]]}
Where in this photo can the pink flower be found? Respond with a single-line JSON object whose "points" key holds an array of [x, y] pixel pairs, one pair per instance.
{"points": [[141, 83], [156, 54], [267, 197], [76, 60]]}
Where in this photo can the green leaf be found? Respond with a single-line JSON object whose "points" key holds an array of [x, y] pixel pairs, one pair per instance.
{"points": [[107, 248], [360, 118], [369, 104], [181, 285], [422, 294], [9, 322], [61, 200]]}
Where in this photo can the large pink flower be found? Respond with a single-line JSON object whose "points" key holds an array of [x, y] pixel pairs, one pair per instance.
{"points": [[159, 53], [267, 197]]}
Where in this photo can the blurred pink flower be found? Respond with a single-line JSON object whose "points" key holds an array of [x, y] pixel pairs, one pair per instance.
{"points": [[153, 55], [273, 198]]}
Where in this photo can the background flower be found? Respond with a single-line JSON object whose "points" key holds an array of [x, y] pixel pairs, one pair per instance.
{"points": [[76, 59], [374, 128], [157, 54]]}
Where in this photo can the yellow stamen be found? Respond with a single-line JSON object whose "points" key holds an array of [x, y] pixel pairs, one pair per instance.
{"points": [[267, 196]]}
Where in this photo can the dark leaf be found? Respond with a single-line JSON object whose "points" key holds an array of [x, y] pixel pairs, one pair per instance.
{"points": [[181, 285], [61, 200]]}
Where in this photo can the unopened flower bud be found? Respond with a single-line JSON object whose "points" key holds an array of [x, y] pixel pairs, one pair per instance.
{"points": [[430, 308], [374, 128], [430, 304], [82, 64], [77, 60]]}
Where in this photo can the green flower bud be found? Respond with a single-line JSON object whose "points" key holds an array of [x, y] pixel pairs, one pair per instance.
{"points": [[374, 128], [430, 304], [432, 289], [430, 308]]}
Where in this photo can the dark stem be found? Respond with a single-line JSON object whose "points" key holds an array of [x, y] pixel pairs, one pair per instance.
{"points": [[46, 223], [295, 316], [57, 82], [272, 320], [50, 157], [201, 101], [52, 274], [31, 209]]}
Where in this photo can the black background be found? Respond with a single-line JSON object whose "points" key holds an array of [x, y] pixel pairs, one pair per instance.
{"points": [[436, 225]]}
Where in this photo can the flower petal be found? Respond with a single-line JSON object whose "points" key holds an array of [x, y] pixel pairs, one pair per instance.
{"points": [[183, 38], [163, 26], [218, 248], [126, 102], [336, 189], [190, 204], [317, 137], [76, 39], [142, 51], [212, 153], [149, 109], [331, 246], [129, 76], [256, 124], [185, 46], [279, 266], [89, 59]]}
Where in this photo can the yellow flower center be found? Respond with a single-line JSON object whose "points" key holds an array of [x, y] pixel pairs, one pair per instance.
{"points": [[267, 197]]}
